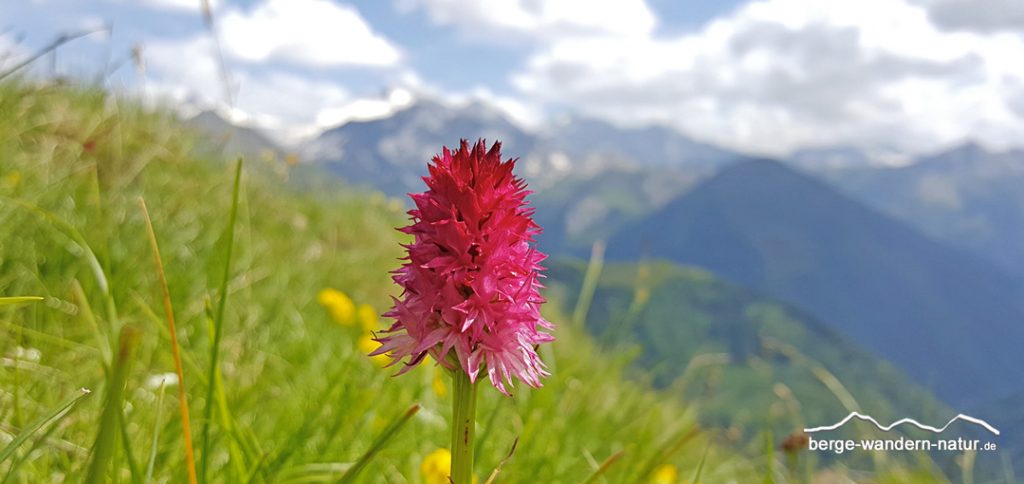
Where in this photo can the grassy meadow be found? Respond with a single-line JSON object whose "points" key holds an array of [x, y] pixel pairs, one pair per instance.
{"points": [[275, 275]]}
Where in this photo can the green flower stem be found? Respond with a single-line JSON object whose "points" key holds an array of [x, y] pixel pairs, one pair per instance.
{"points": [[463, 427]]}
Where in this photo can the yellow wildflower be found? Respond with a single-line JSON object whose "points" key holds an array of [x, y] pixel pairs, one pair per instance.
{"points": [[367, 345], [339, 305], [666, 474], [325, 296], [367, 317], [436, 467]]}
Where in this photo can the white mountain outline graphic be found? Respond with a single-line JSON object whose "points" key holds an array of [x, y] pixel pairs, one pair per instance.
{"points": [[858, 415]]}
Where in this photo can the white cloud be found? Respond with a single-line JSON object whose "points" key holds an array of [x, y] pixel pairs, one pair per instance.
{"points": [[304, 32], [781, 74], [365, 108], [525, 114], [281, 101], [275, 100], [772, 76], [198, 80], [977, 15], [194, 5], [174, 5], [277, 86], [539, 19], [11, 52]]}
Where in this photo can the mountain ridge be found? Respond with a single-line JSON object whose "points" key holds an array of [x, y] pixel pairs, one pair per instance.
{"points": [[966, 196], [390, 153], [765, 226], [681, 315]]}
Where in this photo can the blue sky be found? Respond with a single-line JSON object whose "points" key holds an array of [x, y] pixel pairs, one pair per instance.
{"points": [[769, 76]]}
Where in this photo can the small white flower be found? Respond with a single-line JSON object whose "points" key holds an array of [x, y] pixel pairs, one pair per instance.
{"points": [[154, 382], [27, 354]]}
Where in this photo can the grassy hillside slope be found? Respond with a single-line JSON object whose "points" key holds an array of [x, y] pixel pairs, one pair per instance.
{"points": [[753, 363]]}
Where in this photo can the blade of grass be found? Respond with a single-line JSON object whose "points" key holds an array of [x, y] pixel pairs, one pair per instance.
{"points": [[1008, 468], [187, 359], [497, 470], [17, 462], [90, 258], [156, 435], [285, 451], [316, 472], [332, 433], [46, 337], [103, 449], [219, 322], [62, 410], [967, 468], [487, 427], [589, 285], [255, 473], [227, 422], [59, 41], [85, 310], [186, 426], [769, 452], [605, 466], [126, 445], [667, 451], [622, 329], [74, 234], [7, 301], [378, 444], [239, 450], [829, 380], [700, 466], [222, 67]]}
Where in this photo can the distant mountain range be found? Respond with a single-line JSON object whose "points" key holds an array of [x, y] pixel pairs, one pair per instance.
{"points": [[595, 142], [229, 139], [390, 154], [949, 318], [967, 197], [581, 209]]}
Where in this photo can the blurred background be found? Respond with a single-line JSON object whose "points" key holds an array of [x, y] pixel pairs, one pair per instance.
{"points": [[778, 211], [840, 82]]}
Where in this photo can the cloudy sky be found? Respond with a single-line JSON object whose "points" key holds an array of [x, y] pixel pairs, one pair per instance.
{"points": [[766, 76]]}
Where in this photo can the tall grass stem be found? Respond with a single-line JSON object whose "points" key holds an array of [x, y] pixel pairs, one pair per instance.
{"points": [[589, 286], [186, 426], [111, 419], [219, 322]]}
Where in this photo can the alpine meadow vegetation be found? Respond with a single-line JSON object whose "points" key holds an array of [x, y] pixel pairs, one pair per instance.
{"points": [[169, 315]]}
